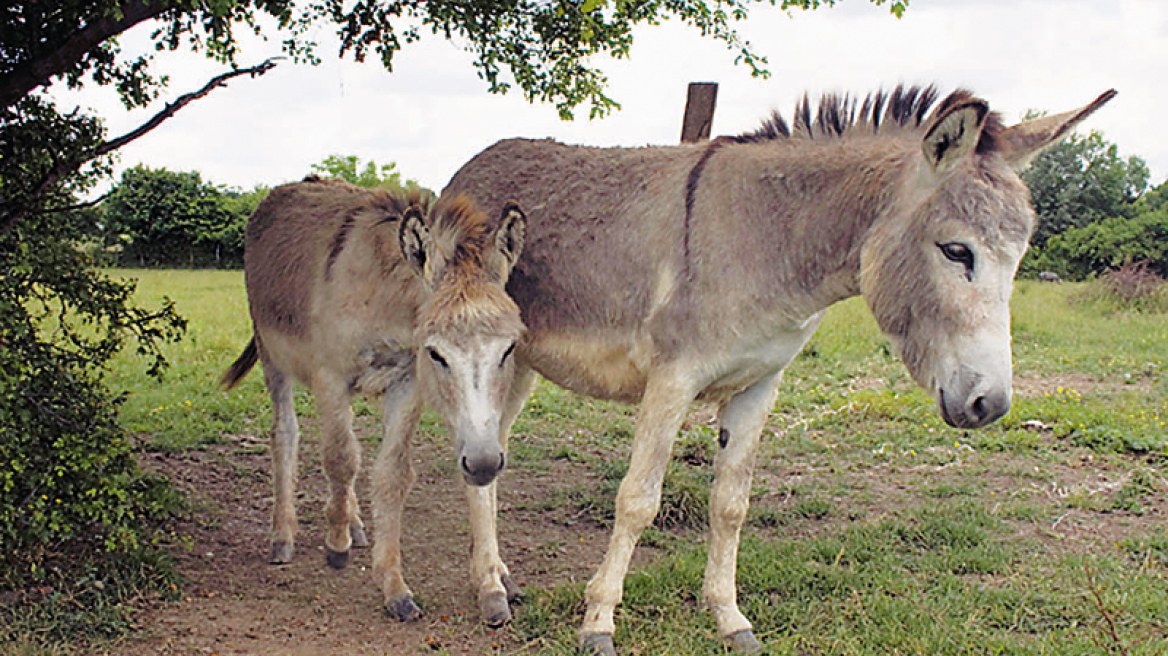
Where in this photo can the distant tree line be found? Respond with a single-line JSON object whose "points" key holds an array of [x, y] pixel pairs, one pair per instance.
{"points": [[1095, 212], [162, 218]]}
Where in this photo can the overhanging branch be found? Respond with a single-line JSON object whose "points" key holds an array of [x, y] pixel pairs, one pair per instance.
{"points": [[68, 166], [182, 101], [72, 208]]}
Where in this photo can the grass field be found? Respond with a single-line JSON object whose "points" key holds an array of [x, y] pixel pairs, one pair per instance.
{"points": [[874, 529]]}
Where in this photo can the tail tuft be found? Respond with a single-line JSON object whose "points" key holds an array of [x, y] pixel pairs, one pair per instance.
{"points": [[241, 366]]}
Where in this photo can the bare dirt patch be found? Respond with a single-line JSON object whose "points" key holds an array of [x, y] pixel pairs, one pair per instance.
{"points": [[234, 602], [1078, 382]]}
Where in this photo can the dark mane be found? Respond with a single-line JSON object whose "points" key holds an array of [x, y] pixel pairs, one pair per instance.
{"points": [[836, 115]]}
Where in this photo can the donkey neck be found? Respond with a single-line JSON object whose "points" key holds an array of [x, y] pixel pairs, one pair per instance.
{"points": [[809, 207]]}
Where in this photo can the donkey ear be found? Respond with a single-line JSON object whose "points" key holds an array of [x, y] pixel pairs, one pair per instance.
{"points": [[954, 134], [414, 238], [511, 233], [1020, 144]]}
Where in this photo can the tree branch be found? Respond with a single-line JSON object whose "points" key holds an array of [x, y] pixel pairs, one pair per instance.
{"points": [[71, 208], [68, 166], [183, 101], [37, 72]]}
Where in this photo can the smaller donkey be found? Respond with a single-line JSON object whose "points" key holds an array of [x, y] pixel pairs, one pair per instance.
{"points": [[354, 291]]}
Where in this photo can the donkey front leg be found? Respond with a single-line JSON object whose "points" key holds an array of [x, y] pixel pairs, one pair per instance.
{"points": [[341, 456], [741, 421], [488, 571], [663, 407], [284, 447], [393, 475]]}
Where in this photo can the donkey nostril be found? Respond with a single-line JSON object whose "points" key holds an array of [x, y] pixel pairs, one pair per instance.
{"points": [[502, 461], [989, 407], [979, 409], [465, 465]]}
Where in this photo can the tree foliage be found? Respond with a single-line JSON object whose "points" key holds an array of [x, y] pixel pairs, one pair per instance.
{"points": [[43, 138], [1155, 200], [1093, 214], [71, 495], [371, 175], [1080, 181], [68, 480], [161, 218], [543, 48], [1101, 246]]}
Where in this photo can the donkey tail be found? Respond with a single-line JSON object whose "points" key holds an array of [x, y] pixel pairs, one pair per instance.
{"points": [[241, 366]]}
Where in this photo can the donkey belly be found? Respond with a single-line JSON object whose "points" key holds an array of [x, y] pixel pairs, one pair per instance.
{"points": [[752, 360], [614, 366], [367, 365], [587, 364]]}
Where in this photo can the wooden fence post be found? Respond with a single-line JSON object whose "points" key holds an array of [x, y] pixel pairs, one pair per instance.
{"points": [[699, 111]]}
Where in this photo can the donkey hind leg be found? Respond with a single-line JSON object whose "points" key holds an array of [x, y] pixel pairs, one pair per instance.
{"points": [[284, 447], [662, 410], [488, 572], [393, 475], [741, 420], [341, 456]]}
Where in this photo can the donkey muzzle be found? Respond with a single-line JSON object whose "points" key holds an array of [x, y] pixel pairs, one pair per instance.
{"points": [[974, 410], [481, 468]]}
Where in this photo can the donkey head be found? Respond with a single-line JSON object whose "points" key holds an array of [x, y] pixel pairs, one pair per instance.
{"points": [[939, 270], [468, 327]]}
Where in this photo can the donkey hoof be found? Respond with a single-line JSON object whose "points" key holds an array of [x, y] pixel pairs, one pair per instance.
{"points": [[744, 642], [597, 644], [496, 610], [280, 554], [337, 559], [357, 535], [404, 609], [514, 592]]}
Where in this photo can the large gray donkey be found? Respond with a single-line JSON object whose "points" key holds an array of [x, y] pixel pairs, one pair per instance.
{"points": [[667, 274]]}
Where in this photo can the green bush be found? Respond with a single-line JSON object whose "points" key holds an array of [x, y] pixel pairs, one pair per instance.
{"points": [[1080, 253], [67, 471], [73, 503]]}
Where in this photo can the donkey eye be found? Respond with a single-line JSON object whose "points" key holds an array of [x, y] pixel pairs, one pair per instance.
{"points": [[960, 253], [436, 358], [507, 354]]}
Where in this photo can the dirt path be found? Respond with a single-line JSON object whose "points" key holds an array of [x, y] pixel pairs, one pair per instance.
{"points": [[235, 603]]}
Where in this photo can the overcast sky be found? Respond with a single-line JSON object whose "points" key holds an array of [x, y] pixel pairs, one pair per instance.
{"points": [[433, 113]]}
